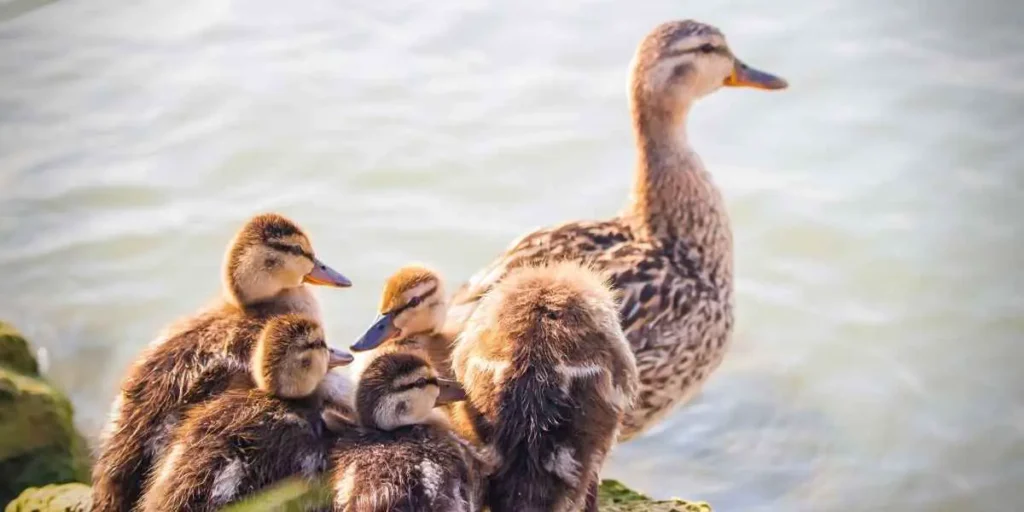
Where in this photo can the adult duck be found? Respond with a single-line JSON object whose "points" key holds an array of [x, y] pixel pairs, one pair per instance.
{"points": [[669, 254]]}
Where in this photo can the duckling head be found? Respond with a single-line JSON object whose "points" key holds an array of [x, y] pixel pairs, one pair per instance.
{"points": [[413, 303], [401, 388], [291, 357], [681, 61], [269, 255]]}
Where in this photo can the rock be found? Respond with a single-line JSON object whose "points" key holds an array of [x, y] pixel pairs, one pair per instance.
{"points": [[613, 496], [15, 352], [39, 444], [53, 498]]}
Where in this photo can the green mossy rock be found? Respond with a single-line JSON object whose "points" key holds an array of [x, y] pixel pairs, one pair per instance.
{"points": [[298, 495], [15, 353], [53, 498], [613, 497], [38, 441], [616, 497]]}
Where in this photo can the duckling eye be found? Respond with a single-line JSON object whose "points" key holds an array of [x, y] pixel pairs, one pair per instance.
{"points": [[305, 363], [414, 302], [707, 48], [270, 262]]}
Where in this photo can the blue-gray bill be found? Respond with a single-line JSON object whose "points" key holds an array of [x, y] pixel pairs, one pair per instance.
{"points": [[451, 391], [339, 358], [382, 330]]}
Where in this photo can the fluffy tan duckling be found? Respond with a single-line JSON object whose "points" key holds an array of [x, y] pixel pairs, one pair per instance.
{"points": [[403, 456], [246, 439], [266, 270], [412, 312], [669, 254], [549, 377]]}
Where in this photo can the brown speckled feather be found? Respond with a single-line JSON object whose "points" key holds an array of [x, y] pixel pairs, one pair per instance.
{"points": [[676, 321]]}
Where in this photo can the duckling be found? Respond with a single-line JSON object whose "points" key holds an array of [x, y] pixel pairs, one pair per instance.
{"points": [[412, 313], [402, 455], [549, 377], [266, 269], [245, 439], [669, 254]]}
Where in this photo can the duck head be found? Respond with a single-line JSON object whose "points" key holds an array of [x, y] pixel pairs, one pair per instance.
{"points": [[401, 388], [413, 303], [681, 61], [291, 357], [269, 255]]}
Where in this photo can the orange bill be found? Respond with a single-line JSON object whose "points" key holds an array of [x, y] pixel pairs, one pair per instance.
{"points": [[746, 76]]}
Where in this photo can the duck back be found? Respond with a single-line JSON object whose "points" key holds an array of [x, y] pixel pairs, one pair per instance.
{"points": [[549, 377], [194, 360], [417, 468], [233, 446]]}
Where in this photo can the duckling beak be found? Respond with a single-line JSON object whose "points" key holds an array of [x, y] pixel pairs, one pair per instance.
{"points": [[451, 391], [338, 358], [326, 276], [746, 76], [382, 330]]}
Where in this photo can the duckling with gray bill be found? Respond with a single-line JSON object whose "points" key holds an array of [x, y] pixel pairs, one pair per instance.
{"points": [[266, 269], [412, 312], [402, 456], [246, 439]]}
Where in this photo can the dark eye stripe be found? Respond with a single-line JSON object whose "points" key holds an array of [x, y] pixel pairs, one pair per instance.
{"points": [[413, 302], [313, 344], [718, 49], [291, 249], [419, 383]]}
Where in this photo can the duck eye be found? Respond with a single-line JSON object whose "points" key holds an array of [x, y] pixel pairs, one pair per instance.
{"points": [[305, 363], [414, 302], [707, 48]]}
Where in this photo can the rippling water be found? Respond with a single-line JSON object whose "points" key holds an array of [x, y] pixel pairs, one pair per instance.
{"points": [[876, 204]]}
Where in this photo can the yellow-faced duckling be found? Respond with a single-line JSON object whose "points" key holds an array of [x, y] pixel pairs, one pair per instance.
{"points": [[549, 377], [403, 456], [412, 313], [245, 439], [266, 269], [669, 254]]}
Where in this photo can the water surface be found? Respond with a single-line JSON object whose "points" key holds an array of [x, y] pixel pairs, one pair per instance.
{"points": [[875, 204]]}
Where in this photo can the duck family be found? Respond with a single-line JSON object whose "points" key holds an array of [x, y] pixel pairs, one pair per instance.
{"points": [[508, 394]]}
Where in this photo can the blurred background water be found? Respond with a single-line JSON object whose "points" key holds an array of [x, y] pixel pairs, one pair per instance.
{"points": [[876, 204]]}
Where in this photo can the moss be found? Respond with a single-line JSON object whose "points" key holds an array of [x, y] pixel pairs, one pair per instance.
{"points": [[616, 497], [292, 495], [38, 441], [15, 353], [53, 498], [613, 497]]}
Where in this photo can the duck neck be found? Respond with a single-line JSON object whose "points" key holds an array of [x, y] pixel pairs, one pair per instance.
{"points": [[674, 200], [299, 299]]}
